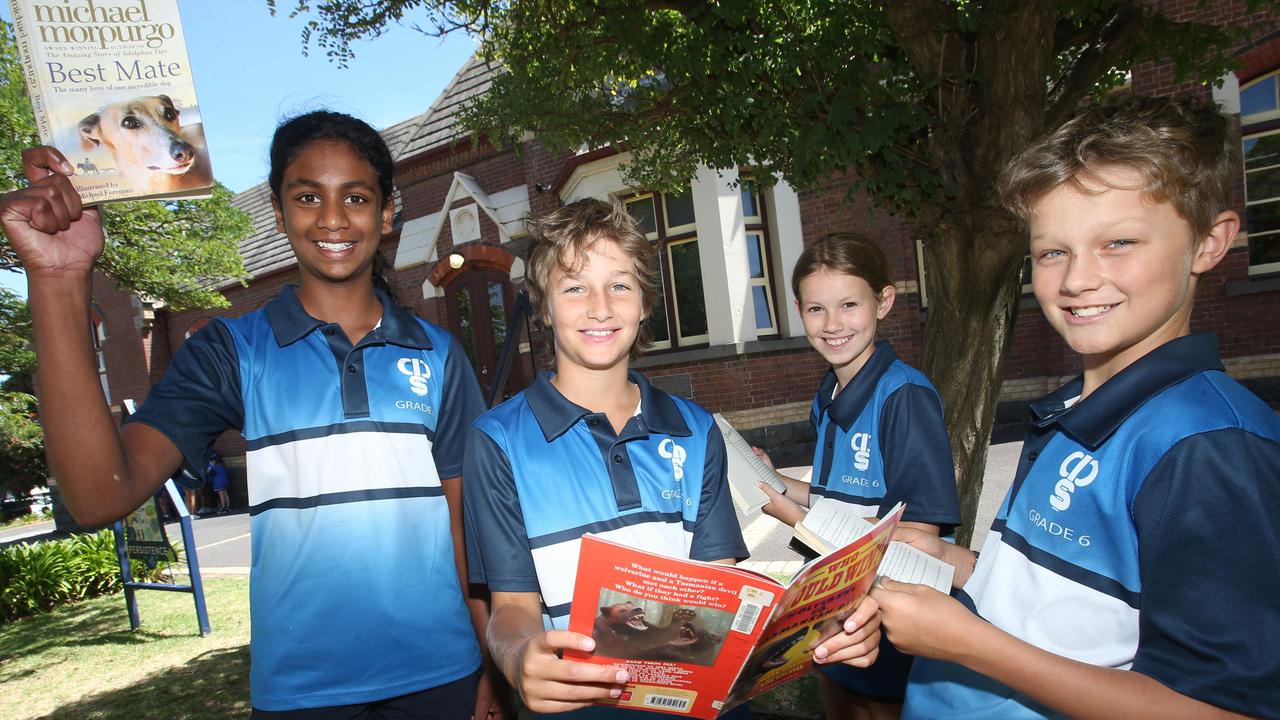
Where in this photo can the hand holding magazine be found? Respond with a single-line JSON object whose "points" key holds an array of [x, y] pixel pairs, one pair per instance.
{"points": [[699, 638], [830, 525]]}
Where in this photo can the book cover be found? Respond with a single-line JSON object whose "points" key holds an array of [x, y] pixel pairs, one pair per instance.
{"points": [[111, 88], [699, 638]]}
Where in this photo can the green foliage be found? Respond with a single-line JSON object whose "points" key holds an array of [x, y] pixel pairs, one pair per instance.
{"points": [[22, 463], [169, 251], [37, 577], [801, 88]]}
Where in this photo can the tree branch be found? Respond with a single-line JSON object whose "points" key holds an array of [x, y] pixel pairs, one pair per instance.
{"points": [[1115, 42]]}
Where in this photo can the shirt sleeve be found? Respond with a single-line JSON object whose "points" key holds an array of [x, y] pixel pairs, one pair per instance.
{"points": [[1209, 552], [199, 396], [462, 404], [498, 552], [716, 534], [917, 458]]}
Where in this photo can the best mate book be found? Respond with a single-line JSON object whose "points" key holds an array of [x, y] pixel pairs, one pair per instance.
{"points": [[111, 87], [698, 638]]}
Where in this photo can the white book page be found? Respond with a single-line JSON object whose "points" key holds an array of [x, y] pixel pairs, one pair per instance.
{"points": [[745, 469], [907, 564], [834, 522]]}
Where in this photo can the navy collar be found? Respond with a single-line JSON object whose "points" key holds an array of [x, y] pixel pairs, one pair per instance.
{"points": [[1092, 420], [556, 414], [290, 322], [846, 406]]}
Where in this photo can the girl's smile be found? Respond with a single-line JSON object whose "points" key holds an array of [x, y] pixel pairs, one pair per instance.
{"points": [[840, 314], [333, 212]]}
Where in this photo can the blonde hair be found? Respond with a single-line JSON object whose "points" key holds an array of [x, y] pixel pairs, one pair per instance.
{"points": [[1185, 151], [563, 236]]}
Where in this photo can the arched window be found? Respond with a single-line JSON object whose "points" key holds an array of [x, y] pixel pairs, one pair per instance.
{"points": [[1260, 132]]}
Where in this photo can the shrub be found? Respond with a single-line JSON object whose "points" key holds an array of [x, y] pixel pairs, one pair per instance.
{"points": [[37, 577]]}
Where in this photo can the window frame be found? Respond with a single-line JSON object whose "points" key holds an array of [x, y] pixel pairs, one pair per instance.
{"points": [[1252, 127], [664, 237]]}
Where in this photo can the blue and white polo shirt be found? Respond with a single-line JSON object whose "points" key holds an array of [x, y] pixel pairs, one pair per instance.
{"points": [[882, 440], [354, 593], [541, 471], [1140, 533]]}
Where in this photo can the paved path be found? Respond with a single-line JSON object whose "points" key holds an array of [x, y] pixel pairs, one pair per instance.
{"points": [[222, 541]]}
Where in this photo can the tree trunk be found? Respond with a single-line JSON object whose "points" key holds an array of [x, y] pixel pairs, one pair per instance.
{"points": [[973, 259]]}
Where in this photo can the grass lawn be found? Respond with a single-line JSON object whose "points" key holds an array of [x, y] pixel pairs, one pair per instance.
{"points": [[81, 662]]}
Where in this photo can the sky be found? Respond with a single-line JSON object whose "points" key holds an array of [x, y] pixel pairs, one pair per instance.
{"points": [[250, 72]]}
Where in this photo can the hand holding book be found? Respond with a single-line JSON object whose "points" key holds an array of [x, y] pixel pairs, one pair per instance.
{"points": [[50, 230]]}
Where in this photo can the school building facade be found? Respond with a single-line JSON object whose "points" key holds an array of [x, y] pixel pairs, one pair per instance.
{"points": [[729, 335]]}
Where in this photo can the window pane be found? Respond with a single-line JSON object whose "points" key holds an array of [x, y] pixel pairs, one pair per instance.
{"points": [[754, 251], [657, 321], [760, 295], [1264, 250], [642, 210], [686, 271], [1264, 217], [679, 208], [1262, 184], [466, 324], [750, 204], [1259, 97], [497, 313], [1261, 152]]}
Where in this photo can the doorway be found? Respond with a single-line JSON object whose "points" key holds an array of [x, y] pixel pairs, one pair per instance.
{"points": [[478, 303]]}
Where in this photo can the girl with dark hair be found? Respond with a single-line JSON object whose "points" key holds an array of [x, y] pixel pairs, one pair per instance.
{"points": [[881, 438], [353, 413]]}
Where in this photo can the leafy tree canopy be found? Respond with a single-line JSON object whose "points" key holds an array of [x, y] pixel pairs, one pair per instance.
{"points": [[923, 102]]}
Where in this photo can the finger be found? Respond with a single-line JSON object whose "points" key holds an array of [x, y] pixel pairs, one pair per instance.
{"points": [[41, 162], [44, 208], [868, 610], [566, 640], [767, 489], [861, 654]]}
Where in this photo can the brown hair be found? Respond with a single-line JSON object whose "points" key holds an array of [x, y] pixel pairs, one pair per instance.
{"points": [[1185, 150], [843, 252], [564, 235]]}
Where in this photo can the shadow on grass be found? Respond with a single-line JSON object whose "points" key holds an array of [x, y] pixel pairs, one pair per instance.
{"points": [[213, 685], [77, 625]]}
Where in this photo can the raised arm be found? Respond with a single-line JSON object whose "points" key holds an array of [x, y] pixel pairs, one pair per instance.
{"points": [[103, 474]]}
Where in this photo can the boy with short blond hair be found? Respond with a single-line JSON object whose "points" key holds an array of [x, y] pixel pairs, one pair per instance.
{"points": [[1131, 570]]}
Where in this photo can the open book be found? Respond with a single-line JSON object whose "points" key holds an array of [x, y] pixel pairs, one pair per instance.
{"points": [[830, 525], [699, 638], [111, 88], [745, 469]]}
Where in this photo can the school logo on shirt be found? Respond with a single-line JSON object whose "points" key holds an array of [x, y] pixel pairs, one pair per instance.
{"points": [[861, 444], [676, 454], [1076, 471], [418, 371]]}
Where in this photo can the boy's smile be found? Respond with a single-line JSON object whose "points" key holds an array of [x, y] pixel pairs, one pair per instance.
{"points": [[596, 310], [1114, 272]]}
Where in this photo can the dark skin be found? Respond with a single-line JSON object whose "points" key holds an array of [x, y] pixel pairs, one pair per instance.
{"points": [[104, 473]]}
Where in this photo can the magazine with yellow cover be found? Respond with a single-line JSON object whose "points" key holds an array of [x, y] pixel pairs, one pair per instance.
{"points": [[111, 87]]}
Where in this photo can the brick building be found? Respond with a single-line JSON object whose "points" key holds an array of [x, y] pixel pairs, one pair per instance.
{"points": [[729, 334]]}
